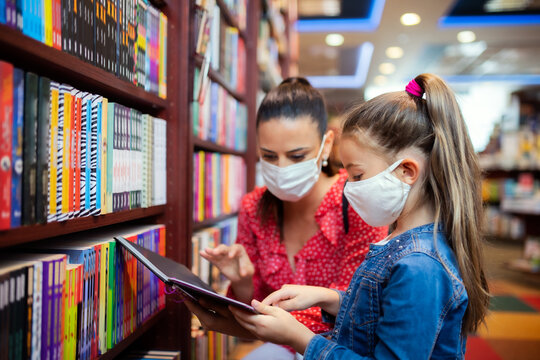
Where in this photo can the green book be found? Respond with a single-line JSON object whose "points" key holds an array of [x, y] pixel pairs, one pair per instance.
{"points": [[111, 298]]}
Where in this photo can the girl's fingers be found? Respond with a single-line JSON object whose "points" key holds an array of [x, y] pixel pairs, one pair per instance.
{"points": [[264, 309], [278, 296]]}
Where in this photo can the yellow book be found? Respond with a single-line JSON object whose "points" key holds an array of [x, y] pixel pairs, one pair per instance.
{"points": [[201, 186], [226, 205], [53, 171], [47, 14], [104, 142], [66, 161], [162, 73]]}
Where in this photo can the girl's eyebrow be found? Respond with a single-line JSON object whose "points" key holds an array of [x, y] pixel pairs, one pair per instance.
{"points": [[350, 165]]}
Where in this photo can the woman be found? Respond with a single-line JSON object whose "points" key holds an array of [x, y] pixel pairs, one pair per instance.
{"points": [[298, 229]]}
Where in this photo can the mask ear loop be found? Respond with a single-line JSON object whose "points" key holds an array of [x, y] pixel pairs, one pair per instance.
{"points": [[321, 148]]}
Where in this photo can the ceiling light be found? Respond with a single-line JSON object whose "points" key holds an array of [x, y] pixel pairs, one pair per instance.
{"points": [[387, 68], [394, 52], [466, 36], [410, 19], [334, 39], [380, 80]]}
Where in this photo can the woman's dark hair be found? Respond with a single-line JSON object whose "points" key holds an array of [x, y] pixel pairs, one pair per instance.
{"points": [[290, 100]]}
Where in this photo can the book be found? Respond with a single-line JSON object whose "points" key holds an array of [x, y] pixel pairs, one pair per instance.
{"points": [[29, 149], [53, 152], [17, 147], [6, 123], [180, 277], [42, 147]]}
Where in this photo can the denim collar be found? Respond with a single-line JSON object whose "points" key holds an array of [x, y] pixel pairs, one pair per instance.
{"points": [[402, 239]]}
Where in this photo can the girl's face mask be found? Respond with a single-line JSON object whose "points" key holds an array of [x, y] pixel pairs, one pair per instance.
{"points": [[380, 199], [293, 182]]}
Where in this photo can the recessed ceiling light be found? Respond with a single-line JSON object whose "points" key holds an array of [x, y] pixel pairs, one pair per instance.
{"points": [[334, 39], [410, 19], [394, 52], [466, 36], [380, 80], [387, 68]]}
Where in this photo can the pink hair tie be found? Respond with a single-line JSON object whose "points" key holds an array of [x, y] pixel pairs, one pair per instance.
{"points": [[414, 89]]}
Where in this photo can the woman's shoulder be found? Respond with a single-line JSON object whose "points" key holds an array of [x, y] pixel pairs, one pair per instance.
{"points": [[250, 201]]}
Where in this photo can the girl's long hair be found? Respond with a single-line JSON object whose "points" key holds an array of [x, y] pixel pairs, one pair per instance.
{"points": [[294, 98], [399, 120]]}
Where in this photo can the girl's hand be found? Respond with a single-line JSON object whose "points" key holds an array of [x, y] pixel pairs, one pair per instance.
{"points": [[300, 297], [233, 262], [274, 325], [221, 320]]}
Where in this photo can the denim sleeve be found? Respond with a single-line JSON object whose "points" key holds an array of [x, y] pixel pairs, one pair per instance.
{"points": [[413, 305]]}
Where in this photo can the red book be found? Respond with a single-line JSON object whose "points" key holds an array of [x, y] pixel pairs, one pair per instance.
{"points": [[241, 77], [57, 24], [6, 128], [76, 138]]}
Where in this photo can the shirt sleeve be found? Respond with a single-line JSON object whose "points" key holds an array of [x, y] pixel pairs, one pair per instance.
{"points": [[355, 248], [409, 324]]}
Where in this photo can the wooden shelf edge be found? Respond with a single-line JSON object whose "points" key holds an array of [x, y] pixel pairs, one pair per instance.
{"points": [[35, 56], [209, 222], [124, 344], [25, 234], [210, 146], [215, 76]]}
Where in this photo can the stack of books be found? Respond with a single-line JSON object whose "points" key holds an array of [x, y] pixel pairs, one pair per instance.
{"points": [[67, 153], [77, 298]]}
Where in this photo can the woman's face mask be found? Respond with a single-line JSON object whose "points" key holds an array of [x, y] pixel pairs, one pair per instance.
{"points": [[380, 199], [293, 182]]}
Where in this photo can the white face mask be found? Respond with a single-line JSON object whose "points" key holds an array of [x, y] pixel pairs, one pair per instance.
{"points": [[380, 199], [292, 182]]}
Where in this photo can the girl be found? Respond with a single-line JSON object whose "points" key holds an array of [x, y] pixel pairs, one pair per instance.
{"points": [[422, 290], [297, 229]]}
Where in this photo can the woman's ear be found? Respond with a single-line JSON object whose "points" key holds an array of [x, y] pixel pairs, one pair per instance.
{"points": [[408, 171], [328, 144]]}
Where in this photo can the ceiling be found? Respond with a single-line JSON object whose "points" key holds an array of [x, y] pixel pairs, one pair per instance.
{"points": [[499, 53]]}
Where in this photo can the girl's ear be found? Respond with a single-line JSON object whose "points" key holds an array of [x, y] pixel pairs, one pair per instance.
{"points": [[408, 171], [328, 144]]}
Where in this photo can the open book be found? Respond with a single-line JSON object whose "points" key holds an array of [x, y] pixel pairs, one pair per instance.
{"points": [[179, 277]]}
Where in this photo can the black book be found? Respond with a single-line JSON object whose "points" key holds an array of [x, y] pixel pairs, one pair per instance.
{"points": [[179, 277], [65, 27], [43, 127], [29, 149]]}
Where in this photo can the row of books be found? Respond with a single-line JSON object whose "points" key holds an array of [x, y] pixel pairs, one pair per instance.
{"points": [[77, 298], [504, 225], [223, 232], [222, 47], [211, 345], [125, 37], [268, 57], [219, 183], [66, 153], [153, 354], [220, 118]]}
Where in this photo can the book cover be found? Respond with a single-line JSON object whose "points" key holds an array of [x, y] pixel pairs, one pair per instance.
{"points": [[75, 165], [163, 23], [64, 25], [53, 153], [6, 124], [86, 154], [29, 149], [104, 151], [42, 165], [201, 185], [95, 156], [67, 170], [48, 22], [112, 144], [103, 289], [57, 24], [17, 148], [37, 288]]}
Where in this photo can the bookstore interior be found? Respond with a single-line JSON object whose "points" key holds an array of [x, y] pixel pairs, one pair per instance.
{"points": [[137, 119]]}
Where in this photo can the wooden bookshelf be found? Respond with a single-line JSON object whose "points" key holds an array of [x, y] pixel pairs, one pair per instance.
{"points": [[25, 234], [32, 55], [205, 145], [229, 18], [136, 335]]}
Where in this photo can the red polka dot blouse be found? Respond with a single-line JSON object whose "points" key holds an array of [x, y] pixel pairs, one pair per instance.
{"points": [[328, 259]]}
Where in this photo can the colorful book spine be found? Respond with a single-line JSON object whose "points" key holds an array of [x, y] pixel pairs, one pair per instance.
{"points": [[42, 156], [67, 178], [29, 149], [17, 147], [6, 124], [53, 152]]}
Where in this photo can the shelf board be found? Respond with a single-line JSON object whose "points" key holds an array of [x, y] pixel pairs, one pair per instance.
{"points": [[209, 222], [25, 234], [215, 76], [229, 18], [32, 55], [210, 146], [141, 330]]}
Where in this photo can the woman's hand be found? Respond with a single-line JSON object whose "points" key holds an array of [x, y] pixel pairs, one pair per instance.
{"points": [[233, 261], [274, 325], [300, 297], [221, 320]]}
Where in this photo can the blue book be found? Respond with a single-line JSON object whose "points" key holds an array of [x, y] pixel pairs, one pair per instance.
{"points": [[17, 147], [2, 11], [214, 98]]}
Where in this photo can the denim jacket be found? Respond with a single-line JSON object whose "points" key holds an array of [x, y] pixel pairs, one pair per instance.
{"points": [[402, 303]]}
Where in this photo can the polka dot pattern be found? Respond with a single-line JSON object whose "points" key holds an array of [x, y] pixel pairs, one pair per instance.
{"points": [[328, 259]]}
